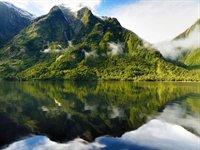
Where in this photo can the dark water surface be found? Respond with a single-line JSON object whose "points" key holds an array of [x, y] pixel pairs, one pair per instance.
{"points": [[100, 115]]}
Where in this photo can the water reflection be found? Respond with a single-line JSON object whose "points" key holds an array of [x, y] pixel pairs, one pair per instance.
{"points": [[184, 113], [64, 111], [155, 135]]}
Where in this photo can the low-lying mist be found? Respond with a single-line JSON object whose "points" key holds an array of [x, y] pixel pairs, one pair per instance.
{"points": [[176, 48], [116, 48]]}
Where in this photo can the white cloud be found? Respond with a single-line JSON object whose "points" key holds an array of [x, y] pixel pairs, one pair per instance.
{"points": [[116, 48], [90, 54], [161, 135], [174, 49], [157, 20], [39, 7], [176, 114], [116, 112], [43, 143]]}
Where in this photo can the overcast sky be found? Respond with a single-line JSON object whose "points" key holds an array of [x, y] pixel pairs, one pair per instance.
{"points": [[152, 20]]}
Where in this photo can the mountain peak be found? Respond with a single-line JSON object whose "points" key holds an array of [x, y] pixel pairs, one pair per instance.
{"points": [[85, 9], [66, 12], [61, 11], [69, 11], [54, 9]]}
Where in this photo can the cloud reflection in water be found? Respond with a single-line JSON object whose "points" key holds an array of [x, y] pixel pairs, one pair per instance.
{"points": [[155, 135]]}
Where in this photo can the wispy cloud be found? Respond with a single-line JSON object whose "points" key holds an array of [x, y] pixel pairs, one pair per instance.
{"points": [[176, 114], [90, 54], [116, 48], [157, 20], [175, 48]]}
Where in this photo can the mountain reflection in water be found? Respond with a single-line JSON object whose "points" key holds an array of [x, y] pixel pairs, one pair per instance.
{"points": [[64, 111]]}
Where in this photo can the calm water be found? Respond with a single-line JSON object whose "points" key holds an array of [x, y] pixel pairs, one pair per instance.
{"points": [[99, 115]]}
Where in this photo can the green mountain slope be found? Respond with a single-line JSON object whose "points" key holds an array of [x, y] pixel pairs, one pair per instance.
{"points": [[12, 20], [81, 46], [193, 59]]}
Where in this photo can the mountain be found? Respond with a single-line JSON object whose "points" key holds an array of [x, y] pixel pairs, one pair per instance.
{"points": [[69, 45], [189, 30], [12, 20], [191, 57]]}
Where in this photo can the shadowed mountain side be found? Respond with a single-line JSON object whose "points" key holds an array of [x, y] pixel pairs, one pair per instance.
{"points": [[12, 21]]}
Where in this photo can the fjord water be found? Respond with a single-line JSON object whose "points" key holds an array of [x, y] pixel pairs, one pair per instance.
{"points": [[100, 115]]}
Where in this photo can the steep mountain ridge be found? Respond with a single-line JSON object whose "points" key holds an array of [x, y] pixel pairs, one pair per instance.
{"points": [[189, 30], [12, 20]]}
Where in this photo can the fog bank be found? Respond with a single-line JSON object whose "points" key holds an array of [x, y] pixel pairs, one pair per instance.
{"points": [[175, 48]]}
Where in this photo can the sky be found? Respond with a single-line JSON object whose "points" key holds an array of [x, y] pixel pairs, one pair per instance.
{"points": [[152, 20]]}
